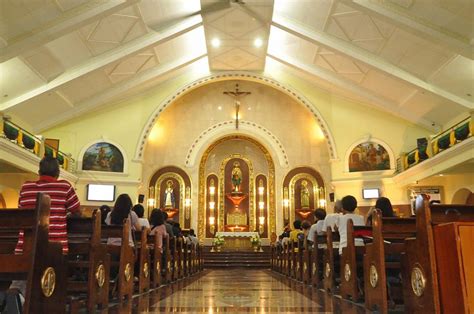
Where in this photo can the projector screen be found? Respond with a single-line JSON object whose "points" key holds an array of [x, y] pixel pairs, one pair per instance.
{"points": [[101, 192], [370, 193]]}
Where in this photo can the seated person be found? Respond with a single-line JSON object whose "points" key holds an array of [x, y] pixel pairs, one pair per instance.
{"points": [[349, 204], [296, 231], [317, 227], [158, 227], [305, 225], [385, 207], [191, 238], [331, 219], [104, 211], [121, 211], [139, 210]]}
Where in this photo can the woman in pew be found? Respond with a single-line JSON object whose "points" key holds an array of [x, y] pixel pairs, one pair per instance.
{"points": [[104, 211], [385, 207], [121, 211], [158, 227]]}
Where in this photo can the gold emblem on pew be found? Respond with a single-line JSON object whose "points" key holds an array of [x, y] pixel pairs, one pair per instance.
{"points": [[327, 271], [128, 272], [418, 281], [373, 276], [100, 275], [305, 267], [168, 266], [146, 270], [347, 272], [158, 266], [314, 269], [48, 281]]}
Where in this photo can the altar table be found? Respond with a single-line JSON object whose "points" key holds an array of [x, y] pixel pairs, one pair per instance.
{"points": [[237, 241]]}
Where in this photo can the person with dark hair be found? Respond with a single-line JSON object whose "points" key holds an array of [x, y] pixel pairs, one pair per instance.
{"points": [[168, 226], [158, 227], [317, 227], [63, 201], [305, 226], [191, 238], [140, 211], [104, 211], [385, 206], [349, 204], [177, 229], [121, 211], [296, 230]]}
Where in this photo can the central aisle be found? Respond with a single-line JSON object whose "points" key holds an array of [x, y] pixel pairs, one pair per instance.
{"points": [[241, 291]]}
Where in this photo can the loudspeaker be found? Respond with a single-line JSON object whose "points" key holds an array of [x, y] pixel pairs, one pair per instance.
{"points": [[141, 198], [331, 197]]}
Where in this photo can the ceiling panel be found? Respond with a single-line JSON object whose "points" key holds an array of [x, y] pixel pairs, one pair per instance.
{"points": [[86, 86], [387, 86], [458, 77], [16, 78], [44, 63]]}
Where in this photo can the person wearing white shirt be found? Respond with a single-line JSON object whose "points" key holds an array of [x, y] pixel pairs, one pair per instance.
{"points": [[349, 204], [140, 211], [317, 227], [331, 219]]}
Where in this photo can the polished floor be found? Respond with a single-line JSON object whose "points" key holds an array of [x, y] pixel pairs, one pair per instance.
{"points": [[238, 291]]}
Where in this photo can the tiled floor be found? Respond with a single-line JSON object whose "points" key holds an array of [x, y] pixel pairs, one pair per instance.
{"points": [[238, 291]]}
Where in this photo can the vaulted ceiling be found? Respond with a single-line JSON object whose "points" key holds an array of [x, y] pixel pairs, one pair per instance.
{"points": [[63, 58]]}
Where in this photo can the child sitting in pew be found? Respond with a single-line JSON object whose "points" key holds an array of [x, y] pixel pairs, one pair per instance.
{"points": [[349, 204], [317, 227]]}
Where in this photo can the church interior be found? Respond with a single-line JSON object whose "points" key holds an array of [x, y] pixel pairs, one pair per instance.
{"points": [[237, 124]]}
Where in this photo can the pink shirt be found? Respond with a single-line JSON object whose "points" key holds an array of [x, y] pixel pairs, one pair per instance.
{"points": [[161, 231]]}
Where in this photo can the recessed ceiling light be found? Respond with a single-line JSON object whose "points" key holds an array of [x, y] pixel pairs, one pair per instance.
{"points": [[215, 42], [249, 108], [258, 42], [219, 108], [441, 174]]}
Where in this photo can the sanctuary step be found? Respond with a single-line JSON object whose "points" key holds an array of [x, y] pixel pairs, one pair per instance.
{"points": [[236, 259]]}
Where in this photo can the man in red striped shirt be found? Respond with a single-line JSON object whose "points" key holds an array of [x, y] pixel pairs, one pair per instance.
{"points": [[63, 200]]}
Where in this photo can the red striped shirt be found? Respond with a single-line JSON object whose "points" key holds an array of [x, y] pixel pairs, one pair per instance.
{"points": [[63, 200]]}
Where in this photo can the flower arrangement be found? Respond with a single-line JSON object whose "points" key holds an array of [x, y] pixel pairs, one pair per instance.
{"points": [[255, 240], [218, 241]]}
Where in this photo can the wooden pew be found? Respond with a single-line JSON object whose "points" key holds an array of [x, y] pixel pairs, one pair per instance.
{"points": [[299, 246], [395, 231], [180, 260], [329, 261], [167, 271], [156, 265], [317, 260], [86, 252], [122, 257], [306, 262], [143, 261], [42, 264], [351, 267], [286, 259], [421, 295]]}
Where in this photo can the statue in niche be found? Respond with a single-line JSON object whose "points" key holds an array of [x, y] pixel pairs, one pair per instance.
{"points": [[169, 195], [236, 178], [304, 194]]}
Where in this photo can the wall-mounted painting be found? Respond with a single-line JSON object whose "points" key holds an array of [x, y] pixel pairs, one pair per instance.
{"points": [[369, 156], [103, 156]]}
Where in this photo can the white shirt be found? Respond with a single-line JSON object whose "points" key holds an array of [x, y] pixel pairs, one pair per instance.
{"points": [[118, 241], [330, 221], [358, 220], [317, 227], [143, 222]]}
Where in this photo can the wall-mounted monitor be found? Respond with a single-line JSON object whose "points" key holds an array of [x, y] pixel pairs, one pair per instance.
{"points": [[101, 192], [370, 193]]}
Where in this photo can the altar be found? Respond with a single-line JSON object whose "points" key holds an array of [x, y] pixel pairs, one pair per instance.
{"points": [[237, 241]]}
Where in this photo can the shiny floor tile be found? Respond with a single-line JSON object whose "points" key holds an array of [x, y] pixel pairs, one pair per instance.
{"points": [[238, 291]]}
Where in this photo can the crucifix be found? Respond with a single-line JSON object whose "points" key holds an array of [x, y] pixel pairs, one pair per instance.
{"points": [[237, 94]]}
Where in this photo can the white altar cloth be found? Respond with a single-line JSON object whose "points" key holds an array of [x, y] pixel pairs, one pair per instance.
{"points": [[230, 234]]}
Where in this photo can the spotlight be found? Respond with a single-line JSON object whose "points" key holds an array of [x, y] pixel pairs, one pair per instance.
{"points": [[215, 42]]}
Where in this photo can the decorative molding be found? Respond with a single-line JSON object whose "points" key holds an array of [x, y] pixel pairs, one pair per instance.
{"points": [[247, 76], [227, 128]]}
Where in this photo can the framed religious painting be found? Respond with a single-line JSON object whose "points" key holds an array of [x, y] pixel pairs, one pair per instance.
{"points": [[103, 156], [369, 156]]}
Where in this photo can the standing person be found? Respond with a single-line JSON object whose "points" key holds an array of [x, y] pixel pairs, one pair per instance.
{"points": [[349, 204], [140, 211], [331, 219], [63, 200]]}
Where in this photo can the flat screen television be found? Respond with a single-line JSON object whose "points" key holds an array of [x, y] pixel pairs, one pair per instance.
{"points": [[370, 194], [101, 192]]}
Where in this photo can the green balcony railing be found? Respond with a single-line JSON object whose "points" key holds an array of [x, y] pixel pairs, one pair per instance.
{"points": [[34, 144]]}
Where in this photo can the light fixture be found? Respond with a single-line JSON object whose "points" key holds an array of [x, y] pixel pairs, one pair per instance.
{"points": [[261, 220], [286, 202], [260, 190], [261, 205], [187, 202], [212, 190], [151, 202], [212, 205], [215, 42], [322, 203], [219, 108], [261, 224], [258, 42], [212, 221]]}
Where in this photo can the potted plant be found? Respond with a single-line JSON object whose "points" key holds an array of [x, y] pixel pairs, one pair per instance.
{"points": [[255, 240], [218, 242]]}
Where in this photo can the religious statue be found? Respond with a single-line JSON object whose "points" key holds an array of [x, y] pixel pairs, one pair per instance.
{"points": [[304, 194], [236, 178], [169, 195]]}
